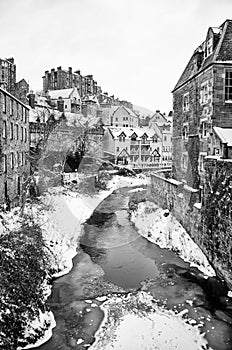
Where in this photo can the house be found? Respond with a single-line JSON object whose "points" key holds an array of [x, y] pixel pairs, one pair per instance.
{"points": [[14, 148], [202, 100], [164, 123], [120, 116], [65, 100], [136, 147], [221, 142]]}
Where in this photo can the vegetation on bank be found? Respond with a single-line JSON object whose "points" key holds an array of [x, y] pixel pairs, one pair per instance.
{"points": [[24, 268]]}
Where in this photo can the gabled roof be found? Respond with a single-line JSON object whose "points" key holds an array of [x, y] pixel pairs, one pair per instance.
{"points": [[225, 135], [123, 153], [222, 52], [117, 131], [63, 93]]}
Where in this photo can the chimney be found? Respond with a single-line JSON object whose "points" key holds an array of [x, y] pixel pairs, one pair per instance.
{"points": [[31, 99], [59, 68], [157, 111], [60, 105], [70, 69], [78, 72]]}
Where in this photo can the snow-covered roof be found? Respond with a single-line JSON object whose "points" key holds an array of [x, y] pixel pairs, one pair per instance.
{"points": [[117, 131], [63, 93], [225, 135]]}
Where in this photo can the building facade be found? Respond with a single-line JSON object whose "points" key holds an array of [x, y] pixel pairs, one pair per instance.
{"points": [[14, 148], [202, 100], [164, 124], [135, 147]]}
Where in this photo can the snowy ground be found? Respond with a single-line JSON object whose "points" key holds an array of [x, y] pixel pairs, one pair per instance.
{"points": [[135, 322], [60, 214], [160, 227]]}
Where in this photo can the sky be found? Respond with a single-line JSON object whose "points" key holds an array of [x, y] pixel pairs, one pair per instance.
{"points": [[135, 49]]}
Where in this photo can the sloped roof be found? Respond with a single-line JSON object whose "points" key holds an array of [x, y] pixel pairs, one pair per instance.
{"points": [[224, 134], [117, 131], [64, 93], [221, 52]]}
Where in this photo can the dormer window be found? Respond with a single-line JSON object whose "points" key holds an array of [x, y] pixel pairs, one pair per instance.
{"points": [[186, 102], [134, 137], [122, 137], [209, 47]]}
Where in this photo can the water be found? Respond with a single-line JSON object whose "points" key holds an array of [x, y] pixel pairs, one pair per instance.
{"points": [[114, 259]]}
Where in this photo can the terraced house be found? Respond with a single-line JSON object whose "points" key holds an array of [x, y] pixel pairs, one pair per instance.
{"points": [[136, 147], [14, 148], [202, 103]]}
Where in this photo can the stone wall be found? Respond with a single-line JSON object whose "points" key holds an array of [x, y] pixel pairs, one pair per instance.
{"points": [[210, 226], [178, 198], [216, 221]]}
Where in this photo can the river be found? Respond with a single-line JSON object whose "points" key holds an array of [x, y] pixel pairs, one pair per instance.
{"points": [[114, 259]]}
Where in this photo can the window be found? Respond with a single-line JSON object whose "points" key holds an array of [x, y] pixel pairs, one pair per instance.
{"points": [[26, 112], [209, 47], [184, 161], [22, 109], [5, 163], [117, 149], [11, 107], [17, 131], [4, 103], [186, 102], [204, 130], [22, 158], [11, 131], [12, 160], [4, 131], [228, 86], [185, 132], [116, 119], [204, 93], [201, 162], [21, 133], [165, 138], [18, 159], [25, 135], [17, 109]]}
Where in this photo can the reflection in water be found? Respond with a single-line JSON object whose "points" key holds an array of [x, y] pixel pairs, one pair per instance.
{"points": [[115, 259]]}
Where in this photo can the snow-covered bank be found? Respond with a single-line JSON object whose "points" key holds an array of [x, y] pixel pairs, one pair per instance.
{"points": [[160, 227], [136, 322], [60, 214]]}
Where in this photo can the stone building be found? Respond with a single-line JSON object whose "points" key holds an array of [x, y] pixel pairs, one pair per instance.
{"points": [[66, 79], [8, 82], [14, 148], [202, 100]]}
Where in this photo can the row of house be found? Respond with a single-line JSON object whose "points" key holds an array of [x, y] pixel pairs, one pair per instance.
{"points": [[27, 118], [202, 107]]}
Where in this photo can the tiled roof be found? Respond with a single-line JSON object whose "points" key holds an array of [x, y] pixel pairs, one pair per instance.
{"points": [[221, 52]]}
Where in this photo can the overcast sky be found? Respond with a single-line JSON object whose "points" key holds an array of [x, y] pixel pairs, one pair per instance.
{"points": [[135, 49]]}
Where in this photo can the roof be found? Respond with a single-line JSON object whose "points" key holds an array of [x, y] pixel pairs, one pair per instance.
{"points": [[64, 93], [222, 52], [117, 131], [12, 96], [225, 135]]}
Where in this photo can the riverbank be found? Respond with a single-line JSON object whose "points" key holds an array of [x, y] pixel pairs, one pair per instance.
{"points": [[159, 226], [60, 214], [134, 321]]}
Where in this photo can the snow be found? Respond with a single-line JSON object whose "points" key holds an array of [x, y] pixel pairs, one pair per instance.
{"points": [[60, 213], [160, 227], [135, 328]]}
